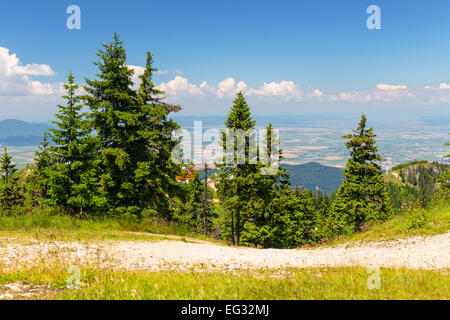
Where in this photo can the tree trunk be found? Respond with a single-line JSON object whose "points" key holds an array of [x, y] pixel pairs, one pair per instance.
{"points": [[237, 228], [205, 199], [232, 228]]}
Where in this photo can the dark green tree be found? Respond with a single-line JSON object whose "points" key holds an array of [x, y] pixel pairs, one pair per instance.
{"points": [[72, 181], [10, 193], [238, 184], [154, 142], [115, 112], [287, 221], [362, 196], [444, 180], [249, 179], [134, 135], [38, 179], [195, 203], [286, 218]]}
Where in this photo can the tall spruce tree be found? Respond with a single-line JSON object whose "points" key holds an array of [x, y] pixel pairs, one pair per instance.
{"points": [[242, 187], [444, 180], [38, 180], [155, 177], [10, 193], [71, 171], [362, 197], [233, 176], [195, 208], [286, 218], [134, 134], [114, 113]]}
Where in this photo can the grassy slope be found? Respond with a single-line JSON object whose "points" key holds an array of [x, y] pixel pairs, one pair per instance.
{"points": [[313, 283], [415, 222], [42, 225]]}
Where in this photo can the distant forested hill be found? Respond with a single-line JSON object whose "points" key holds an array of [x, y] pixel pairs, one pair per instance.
{"points": [[313, 174], [412, 181], [20, 133]]}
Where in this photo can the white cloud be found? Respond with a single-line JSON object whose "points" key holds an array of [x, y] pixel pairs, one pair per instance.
{"points": [[382, 86], [289, 91], [317, 93], [138, 71], [181, 87], [15, 78], [286, 90], [228, 88]]}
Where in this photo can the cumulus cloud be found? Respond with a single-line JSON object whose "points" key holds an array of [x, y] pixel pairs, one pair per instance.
{"points": [[289, 91], [286, 90], [181, 87], [15, 79], [138, 71], [229, 87], [382, 86]]}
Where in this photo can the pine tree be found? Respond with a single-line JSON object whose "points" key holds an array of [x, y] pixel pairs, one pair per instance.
{"points": [[71, 171], [154, 144], [362, 197], [444, 180], [285, 218], [10, 193], [134, 134], [243, 187], [114, 113], [205, 201], [195, 203], [235, 184], [38, 180]]}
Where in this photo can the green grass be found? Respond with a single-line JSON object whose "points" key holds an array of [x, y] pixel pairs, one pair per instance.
{"points": [[313, 283], [47, 224], [412, 222]]}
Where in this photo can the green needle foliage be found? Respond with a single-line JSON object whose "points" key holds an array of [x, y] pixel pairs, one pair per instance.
{"points": [[362, 196], [263, 209], [114, 112], [239, 180], [444, 190], [153, 145], [71, 173], [134, 135], [10, 193], [38, 180]]}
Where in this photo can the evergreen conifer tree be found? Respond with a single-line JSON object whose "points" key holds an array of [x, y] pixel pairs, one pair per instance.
{"points": [[236, 183], [444, 180], [247, 184], [38, 180], [10, 193], [134, 134], [71, 168], [362, 197], [112, 101], [155, 175]]}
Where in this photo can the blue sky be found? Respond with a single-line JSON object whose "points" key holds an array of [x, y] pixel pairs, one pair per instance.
{"points": [[289, 57]]}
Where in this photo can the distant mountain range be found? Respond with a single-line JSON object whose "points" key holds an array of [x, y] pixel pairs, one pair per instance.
{"points": [[20, 133]]}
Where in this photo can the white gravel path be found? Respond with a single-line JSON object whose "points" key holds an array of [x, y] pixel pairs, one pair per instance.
{"points": [[417, 253]]}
